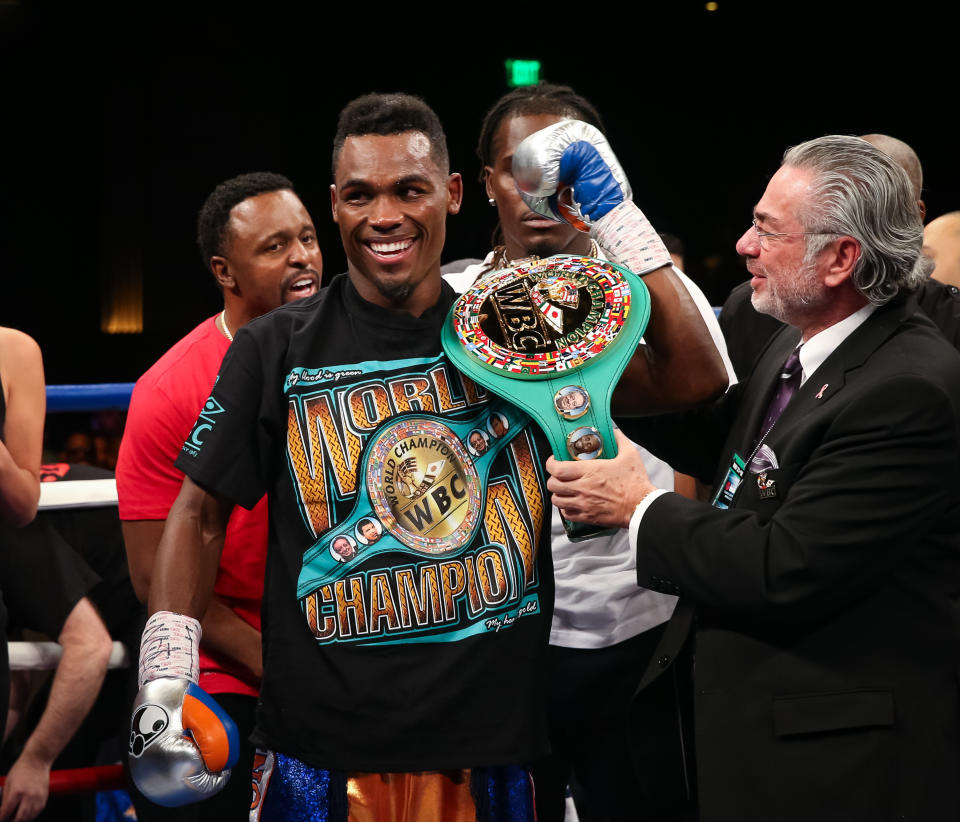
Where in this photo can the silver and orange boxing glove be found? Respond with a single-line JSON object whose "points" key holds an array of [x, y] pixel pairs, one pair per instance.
{"points": [[568, 172], [182, 743]]}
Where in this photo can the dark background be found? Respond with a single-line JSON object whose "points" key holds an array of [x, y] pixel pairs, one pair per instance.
{"points": [[117, 122]]}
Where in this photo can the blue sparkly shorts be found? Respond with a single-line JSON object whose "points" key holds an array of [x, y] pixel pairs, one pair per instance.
{"points": [[288, 790]]}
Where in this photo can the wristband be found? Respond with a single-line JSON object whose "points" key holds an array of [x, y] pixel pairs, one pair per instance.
{"points": [[629, 240], [170, 647]]}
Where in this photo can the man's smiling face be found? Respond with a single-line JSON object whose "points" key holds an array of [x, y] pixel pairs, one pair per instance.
{"points": [[785, 284], [391, 201]]}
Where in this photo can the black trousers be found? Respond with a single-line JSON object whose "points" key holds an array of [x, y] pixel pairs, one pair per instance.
{"points": [[590, 700]]}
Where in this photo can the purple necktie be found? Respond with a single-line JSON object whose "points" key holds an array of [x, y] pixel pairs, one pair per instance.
{"points": [[789, 383]]}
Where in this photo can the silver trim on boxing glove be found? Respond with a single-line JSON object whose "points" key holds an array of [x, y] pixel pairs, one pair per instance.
{"points": [[165, 763], [536, 164]]}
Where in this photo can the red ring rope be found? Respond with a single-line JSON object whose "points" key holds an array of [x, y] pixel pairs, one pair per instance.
{"points": [[84, 780]]}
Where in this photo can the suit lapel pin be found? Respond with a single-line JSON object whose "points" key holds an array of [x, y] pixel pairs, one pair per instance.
{"points": [[766, 487], [826, 385]]}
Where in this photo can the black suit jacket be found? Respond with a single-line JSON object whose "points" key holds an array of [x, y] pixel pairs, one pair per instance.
{"points": [[827, 632]]}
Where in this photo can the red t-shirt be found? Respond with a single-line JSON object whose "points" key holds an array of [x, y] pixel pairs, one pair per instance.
{"points": [[163, 409]]}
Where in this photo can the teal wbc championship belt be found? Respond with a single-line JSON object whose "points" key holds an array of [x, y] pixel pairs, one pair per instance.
{"points": [[553, 336]]}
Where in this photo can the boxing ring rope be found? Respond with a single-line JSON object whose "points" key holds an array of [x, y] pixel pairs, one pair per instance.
{"points": [[44, 656], [83, 780], [106, 396]]}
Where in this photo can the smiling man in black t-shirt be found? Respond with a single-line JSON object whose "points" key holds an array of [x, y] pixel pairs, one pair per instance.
{"points": [[415, 658], [404, 675]]}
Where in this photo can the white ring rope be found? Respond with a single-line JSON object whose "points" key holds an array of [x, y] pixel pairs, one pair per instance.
{"points": [[78, 494], [45, 656]]}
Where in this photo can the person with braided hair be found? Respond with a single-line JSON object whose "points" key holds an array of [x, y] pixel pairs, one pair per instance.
{"points": [[604, 626]]}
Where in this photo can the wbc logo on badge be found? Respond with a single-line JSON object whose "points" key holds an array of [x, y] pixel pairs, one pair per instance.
{"points": [[542, 316], [423, 485]]}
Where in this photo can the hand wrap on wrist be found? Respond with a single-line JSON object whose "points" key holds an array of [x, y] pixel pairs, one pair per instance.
{"points": [[170, 647], [629, 240]]}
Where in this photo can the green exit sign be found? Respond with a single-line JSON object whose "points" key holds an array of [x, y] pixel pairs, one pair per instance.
{"points": [[522, 72]]}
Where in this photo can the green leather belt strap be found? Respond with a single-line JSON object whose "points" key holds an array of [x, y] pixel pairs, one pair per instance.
{"points": [[553, 336]]}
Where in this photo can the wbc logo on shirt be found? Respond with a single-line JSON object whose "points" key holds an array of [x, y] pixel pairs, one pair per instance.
{"points": [[203, 425], [424, 486], [419, 483]]}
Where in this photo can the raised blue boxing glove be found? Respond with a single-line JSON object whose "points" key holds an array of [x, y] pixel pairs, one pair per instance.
{"points": [[182, 743], [568, 172]]}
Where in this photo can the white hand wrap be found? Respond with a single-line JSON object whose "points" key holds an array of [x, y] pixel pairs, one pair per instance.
{"points": [[629, 240], [170, 647]]}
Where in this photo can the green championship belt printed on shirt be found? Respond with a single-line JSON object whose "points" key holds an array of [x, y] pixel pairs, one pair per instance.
{"points": [[441, 503]]}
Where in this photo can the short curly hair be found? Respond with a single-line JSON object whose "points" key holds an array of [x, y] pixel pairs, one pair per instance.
{"points": [[387, 114], [214, 216]]}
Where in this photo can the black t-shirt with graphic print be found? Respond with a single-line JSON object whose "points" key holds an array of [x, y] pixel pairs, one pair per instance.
{"points": [[408, 584]]}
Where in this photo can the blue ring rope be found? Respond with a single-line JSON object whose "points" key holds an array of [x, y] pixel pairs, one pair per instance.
{"points": [[106, 396]]}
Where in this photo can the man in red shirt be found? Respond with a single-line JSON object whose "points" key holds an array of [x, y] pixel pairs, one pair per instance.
{"points": [[259, 243]]}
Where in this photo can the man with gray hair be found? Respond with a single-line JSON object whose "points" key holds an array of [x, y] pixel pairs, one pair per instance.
{"points": [[746, 331], [824, 575]]}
